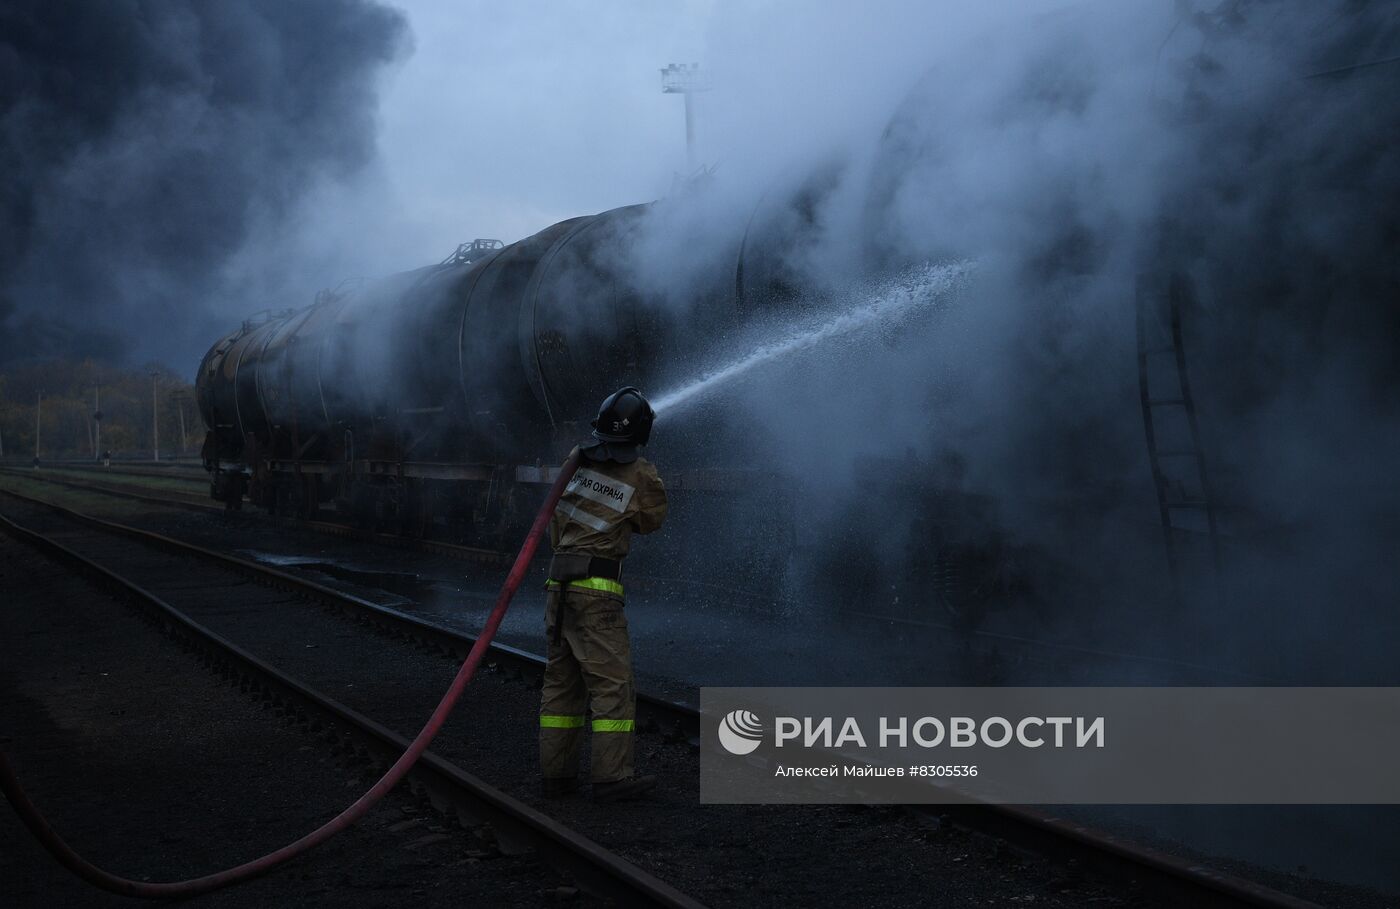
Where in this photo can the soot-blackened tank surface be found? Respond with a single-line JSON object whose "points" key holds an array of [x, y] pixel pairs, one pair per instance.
{"points": [[364, 355], [247, 408], [584, 326], [285, 376], [506, 415], [487, 361], [210, 391]]}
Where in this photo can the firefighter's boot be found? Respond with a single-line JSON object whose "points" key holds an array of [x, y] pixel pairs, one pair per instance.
{"points": [[620, 790]]}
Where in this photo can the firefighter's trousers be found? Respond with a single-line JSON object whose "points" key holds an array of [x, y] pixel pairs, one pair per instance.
{"points": [[589, 666]]}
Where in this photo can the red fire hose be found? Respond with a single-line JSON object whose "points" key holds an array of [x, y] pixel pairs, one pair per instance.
{"points": [[89, 872]]}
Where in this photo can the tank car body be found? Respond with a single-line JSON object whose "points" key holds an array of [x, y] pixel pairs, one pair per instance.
{"points": [[435, 403], [479, 357]]}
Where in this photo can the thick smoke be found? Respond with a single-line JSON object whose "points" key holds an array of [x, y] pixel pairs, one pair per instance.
{"points": [[1073, 150], [145, 146]]}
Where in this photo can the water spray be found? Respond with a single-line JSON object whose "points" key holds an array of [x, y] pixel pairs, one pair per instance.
{"points": [[889, 305]]}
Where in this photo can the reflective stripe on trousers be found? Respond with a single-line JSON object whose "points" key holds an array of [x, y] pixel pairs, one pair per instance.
{"points": [[612, 725], [576, 722]]}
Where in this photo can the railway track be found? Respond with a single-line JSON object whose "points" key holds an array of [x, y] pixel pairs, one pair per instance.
{"points": [[452, 791], [199, 502], [475, 554], [1178, 880], [996, 649]]}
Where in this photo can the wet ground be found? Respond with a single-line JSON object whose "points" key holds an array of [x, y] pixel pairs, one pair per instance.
{"points": [[153, 768], [683, 642], [184, 784]]}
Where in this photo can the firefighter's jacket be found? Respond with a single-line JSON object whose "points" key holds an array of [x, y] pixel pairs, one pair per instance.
{"points": [[604, 504]]}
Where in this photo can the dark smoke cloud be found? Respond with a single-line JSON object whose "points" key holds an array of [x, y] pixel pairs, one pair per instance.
{"points": [[144, 144]]}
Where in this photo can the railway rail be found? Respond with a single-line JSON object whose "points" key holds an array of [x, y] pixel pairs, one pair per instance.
{"points": [[201, 503], [452, 791], [1172, 877]]}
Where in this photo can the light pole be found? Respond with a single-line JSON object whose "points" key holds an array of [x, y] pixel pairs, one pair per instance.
{"points": [[96, 422], [686, 79], [155, 418], [180, 409]]}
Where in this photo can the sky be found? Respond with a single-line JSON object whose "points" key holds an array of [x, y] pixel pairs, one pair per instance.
{"points": [[510, 117]]}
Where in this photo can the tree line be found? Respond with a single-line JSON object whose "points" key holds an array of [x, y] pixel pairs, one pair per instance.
{"points": [[79, 409]]}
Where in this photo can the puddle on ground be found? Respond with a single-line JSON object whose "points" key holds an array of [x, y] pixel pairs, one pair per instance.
{"points": [[405, 588]]}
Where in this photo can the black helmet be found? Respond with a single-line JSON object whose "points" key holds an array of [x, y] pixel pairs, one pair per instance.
{"points": [[624, 417]]}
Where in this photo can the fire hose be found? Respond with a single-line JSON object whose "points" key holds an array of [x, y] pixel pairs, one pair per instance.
{"points": [[45, 834]]}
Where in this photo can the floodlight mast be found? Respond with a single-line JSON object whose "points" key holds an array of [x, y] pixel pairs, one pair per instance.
{"points": [[686, 79], [155, 416]]}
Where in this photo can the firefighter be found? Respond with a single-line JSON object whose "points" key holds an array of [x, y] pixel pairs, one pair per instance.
{"points": [[615, 493]]}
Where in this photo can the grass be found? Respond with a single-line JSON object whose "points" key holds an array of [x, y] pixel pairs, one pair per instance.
{"points": [[93, 503], [197, 485]]}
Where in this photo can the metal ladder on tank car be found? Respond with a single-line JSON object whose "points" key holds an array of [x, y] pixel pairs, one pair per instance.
{"points": [[1185, 501]]}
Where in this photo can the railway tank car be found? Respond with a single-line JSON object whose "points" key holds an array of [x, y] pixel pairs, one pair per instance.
{"points": [[435, 403]]}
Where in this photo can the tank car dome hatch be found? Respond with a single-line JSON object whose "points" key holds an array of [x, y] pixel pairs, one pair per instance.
{"points": [[469, 252]]}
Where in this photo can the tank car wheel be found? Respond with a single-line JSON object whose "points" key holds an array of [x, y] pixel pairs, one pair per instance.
{"points": [[233, 494]]}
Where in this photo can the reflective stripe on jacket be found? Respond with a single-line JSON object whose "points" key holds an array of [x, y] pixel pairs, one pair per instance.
{"points": [[604, 505]]}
